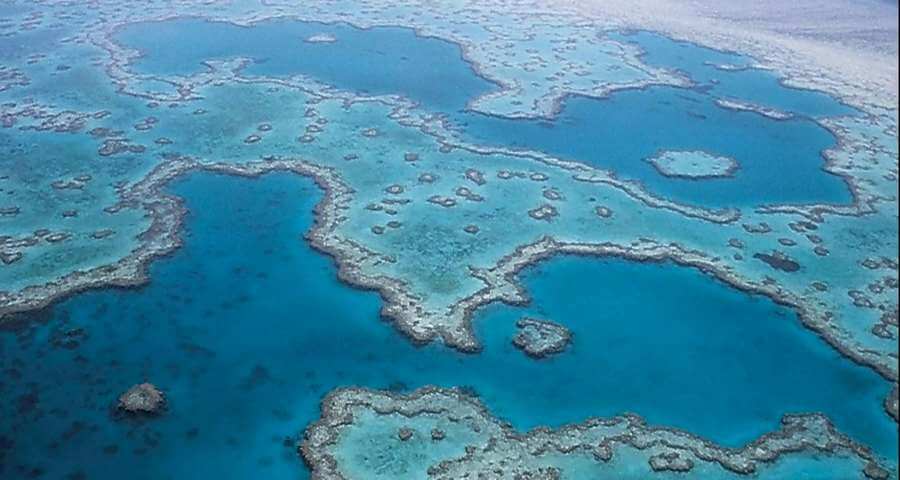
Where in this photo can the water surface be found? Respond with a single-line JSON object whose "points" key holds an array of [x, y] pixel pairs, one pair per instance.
{"points": [[781, 161], [246, 328], [378, 61]]}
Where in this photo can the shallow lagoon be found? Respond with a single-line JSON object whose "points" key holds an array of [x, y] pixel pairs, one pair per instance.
{"points": [[246, 328], [616, 133]]}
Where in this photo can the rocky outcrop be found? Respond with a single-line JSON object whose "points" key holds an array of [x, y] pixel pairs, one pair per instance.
{"points": [[541, 338], [143, 398]]}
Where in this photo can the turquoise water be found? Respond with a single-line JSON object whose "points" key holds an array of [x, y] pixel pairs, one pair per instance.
{"points": [[24, 44], [246, 328], [781, 161]]}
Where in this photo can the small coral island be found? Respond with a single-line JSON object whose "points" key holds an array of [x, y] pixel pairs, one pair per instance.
{"points": [[143, 398], [541, 338], [321, 38], [693, 164]]}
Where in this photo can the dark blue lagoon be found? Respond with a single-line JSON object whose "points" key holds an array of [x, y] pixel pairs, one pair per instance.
{"points": [[246, 328], [621, 132], [780, 161], [378, 61], [730, 75]]}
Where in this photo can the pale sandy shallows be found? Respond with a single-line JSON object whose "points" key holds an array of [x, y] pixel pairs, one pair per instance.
{"points": [[846, 47]]}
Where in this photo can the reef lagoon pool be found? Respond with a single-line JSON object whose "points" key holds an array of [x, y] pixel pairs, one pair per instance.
{"points": [[396, 240], [246, 328], [780, 160]]}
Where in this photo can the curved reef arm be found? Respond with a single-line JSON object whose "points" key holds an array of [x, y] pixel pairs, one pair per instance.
{"points": [[446, 434]]}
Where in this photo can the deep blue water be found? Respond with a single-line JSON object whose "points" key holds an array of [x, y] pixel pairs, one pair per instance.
{"points": [[781, 161], [750, 84], [384, 60], [246, 328], [620, 132]]}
